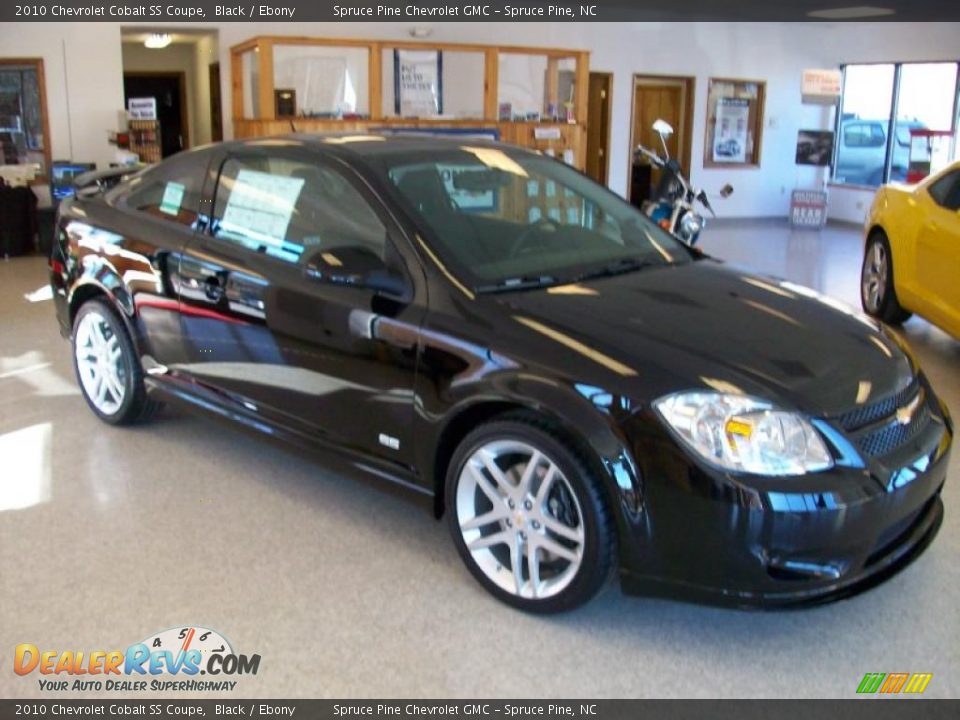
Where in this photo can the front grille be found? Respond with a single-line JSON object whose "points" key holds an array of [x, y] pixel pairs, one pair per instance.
{"points": [[890, 437], [875, 428], [867, 414]]}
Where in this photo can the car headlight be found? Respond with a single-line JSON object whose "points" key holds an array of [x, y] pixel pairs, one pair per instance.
{"points": [[745, 434]]}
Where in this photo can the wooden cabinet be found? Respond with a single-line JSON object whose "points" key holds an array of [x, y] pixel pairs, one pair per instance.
{"points": [[350, 85]]}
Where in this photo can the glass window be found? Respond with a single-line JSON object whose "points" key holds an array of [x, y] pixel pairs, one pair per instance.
{"points": [[946, 191], [925, 102], [21, 116], [170, 191], [500, 216], [321, 81], [250, 77], [926, 97], [535, 87], [432, 83], [292, 209], [864, 119], [864, 135]]}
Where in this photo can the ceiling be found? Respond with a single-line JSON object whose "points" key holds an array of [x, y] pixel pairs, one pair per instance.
{"points": [[179, 36], [779, 10]]}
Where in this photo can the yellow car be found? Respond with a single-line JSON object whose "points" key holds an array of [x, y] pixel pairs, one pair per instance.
{"points": [[911, 262]]}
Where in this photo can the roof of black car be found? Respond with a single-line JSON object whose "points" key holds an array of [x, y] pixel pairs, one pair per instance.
{"points": [[372, 144]]}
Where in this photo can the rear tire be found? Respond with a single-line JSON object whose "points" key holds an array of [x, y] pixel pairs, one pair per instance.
{"points": [[528, 516], [107, 367], [878, 295]]}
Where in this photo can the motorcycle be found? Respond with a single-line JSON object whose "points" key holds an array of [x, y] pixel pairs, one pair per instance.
{"points": [[673, 206]]}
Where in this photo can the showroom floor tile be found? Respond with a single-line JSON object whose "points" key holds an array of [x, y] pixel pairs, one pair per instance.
{"points": [[108, 535]]}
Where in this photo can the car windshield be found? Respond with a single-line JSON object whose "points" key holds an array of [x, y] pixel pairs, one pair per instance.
{"points": [[509, 219]]}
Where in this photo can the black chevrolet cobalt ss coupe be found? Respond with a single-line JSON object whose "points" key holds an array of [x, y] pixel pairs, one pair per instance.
{"points": [[518, 349]]}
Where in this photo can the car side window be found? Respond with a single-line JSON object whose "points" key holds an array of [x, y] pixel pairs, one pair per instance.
{"points": [[863, 134], [171, 191], [292, 209], [946, 191]]}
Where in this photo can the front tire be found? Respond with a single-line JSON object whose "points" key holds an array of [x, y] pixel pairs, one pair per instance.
{"points": [[528, 517], [878, 296], [108, 370]]}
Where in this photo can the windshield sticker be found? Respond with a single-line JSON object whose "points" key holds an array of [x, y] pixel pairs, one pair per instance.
{"points": [[476, 198], [172, 198], [260, 207]]}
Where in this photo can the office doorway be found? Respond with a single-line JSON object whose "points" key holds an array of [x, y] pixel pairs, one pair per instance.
{"points": [[169, 89]]}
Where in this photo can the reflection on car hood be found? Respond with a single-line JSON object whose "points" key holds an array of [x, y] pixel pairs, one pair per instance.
{"points": [[702, 323]]}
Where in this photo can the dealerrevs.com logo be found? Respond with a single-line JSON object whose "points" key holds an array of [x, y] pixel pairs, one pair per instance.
{"points": [[894, 683], [168, 661]]}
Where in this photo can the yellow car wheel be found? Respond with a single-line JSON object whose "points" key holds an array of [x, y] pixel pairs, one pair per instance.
{"points": [[877, 292]]}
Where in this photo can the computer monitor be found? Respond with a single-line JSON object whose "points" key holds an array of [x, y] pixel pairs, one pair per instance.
{"points": [[62, 175]]}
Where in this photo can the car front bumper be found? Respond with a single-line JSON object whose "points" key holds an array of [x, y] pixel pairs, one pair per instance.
{"points": [[707, 536]]}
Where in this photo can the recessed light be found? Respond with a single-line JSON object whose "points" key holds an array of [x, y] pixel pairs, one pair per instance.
{"points": [[156, 41], [851, 13]]}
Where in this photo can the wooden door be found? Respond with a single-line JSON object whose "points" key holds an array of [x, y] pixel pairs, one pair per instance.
{"points": [[216, 114], [654, 102], [598, 126]]}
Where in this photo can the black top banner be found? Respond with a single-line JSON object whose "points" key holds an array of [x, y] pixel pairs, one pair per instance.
{"points": [[489, 709], [479, 11]]}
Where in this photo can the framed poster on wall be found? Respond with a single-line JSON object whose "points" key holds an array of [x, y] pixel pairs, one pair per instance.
{"points": [[814, 147], [418, 83], [734, 123]]}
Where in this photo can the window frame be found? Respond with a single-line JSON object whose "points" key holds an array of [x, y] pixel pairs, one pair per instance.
{"points": [[891, 129], [37, 64]]}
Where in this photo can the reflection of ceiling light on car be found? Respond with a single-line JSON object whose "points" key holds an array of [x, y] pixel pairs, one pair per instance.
{"points": [[850, 13], [157, 41]]}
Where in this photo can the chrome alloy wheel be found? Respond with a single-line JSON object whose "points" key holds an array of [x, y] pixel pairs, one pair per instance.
{"points": [[876, 272], [520, 519], [100, 363]]}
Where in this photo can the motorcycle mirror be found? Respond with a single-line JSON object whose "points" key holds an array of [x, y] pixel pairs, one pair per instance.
{"points": [[726, 191], [702, 197], [662, 127]]}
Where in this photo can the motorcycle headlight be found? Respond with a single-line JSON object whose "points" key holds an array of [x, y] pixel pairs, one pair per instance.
{"points": [[745, 434], [690, 226]]}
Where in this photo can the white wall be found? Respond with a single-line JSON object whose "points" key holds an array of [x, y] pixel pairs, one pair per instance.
{"points": [[82, 65], [776, 53], [206, 52]]}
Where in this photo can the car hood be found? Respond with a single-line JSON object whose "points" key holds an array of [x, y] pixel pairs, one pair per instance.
{"points": [[704, 324]]}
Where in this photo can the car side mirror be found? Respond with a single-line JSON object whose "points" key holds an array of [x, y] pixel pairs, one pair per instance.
{"points": [[355, 266]]}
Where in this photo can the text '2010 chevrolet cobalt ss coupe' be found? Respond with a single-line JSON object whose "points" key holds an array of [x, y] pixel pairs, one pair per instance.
{"points": [[522, 351]]}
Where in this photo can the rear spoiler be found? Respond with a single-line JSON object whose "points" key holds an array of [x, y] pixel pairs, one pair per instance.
{"points": [[98, 181]]}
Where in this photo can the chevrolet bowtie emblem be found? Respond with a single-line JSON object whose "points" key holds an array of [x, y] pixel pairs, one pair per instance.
{"points": [[905, 414]]}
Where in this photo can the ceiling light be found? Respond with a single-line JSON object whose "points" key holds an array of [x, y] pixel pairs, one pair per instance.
{"points": [[850, 13], [156, 41]]}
